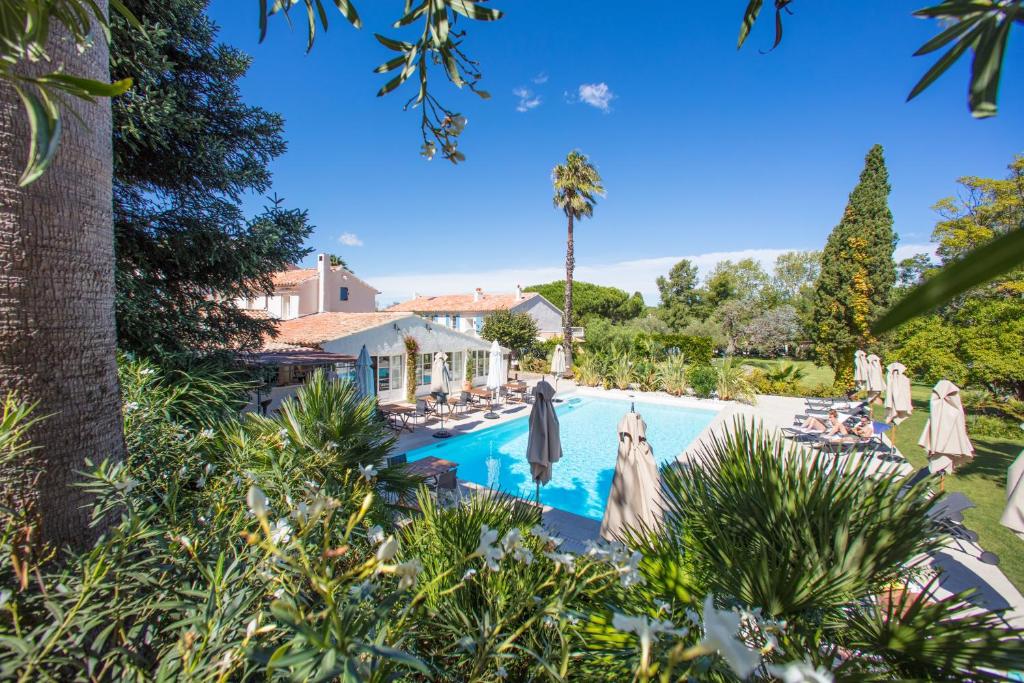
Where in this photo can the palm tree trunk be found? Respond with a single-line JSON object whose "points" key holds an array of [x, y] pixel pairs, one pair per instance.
{"points": [[570, 265], [57, 333]]}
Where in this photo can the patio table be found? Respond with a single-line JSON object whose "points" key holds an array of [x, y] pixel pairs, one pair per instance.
{"points": [[436, 469], [399, 413]]}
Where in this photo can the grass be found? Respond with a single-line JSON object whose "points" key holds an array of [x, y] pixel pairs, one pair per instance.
{"points": [[983, 480], [816, 375]]}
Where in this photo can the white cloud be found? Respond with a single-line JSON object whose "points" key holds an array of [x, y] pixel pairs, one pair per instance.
{"points": [[633, 276], [350, 239], [540, 79], [527, 100], [907, 250], [597, 95]]}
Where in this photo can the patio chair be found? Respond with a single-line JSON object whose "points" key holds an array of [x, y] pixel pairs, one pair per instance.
{"points": [[422, 412], [461, 403]]}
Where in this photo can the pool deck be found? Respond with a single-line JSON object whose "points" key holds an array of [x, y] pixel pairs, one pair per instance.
{"points": [[959, 562]]}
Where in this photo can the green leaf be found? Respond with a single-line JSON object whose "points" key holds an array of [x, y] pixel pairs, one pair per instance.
{"points": [[396, 45], [85, 88], [44, 131], [749, 17], [979, 266], [946, 61], [484, 95], [988, 60], [263, 19], [949, 34], [475, 10], [349, 10]]}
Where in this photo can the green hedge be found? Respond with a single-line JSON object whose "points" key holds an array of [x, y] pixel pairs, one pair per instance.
{"points": [[696, 350]]}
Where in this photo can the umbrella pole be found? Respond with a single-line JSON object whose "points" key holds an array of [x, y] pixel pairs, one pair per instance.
{"points": [[490, 414], [441, 433], [540, 510]]}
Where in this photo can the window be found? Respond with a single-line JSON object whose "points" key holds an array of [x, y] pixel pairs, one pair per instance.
{"points": [[346, 371], [456, 319], [343, 293], [457, 365], [479, 324], [383, 373], [423, 363]]}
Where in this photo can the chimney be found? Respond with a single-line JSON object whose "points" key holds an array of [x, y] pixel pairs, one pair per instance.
{"points": [[478, 294], [519, 292], [322, 268]]}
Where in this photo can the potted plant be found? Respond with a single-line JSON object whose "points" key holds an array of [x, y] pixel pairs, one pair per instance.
{"points": [[467, 383]]}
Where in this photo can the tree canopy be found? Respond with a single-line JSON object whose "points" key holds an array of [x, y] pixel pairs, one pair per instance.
{"points": [[186, 150], [515, 331], [591, 300], [857, 272]]}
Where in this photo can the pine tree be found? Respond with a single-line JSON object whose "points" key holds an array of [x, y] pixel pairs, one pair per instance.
{"points": [[857, 272]]}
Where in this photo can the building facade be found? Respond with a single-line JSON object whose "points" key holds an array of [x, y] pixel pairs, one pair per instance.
{"points": [[305, 291], [466, 312]]}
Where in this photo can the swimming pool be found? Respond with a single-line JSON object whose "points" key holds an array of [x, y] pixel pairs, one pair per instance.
{"points": [[496, 457]]}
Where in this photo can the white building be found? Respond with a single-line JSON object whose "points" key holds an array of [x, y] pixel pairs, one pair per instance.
{"points": [[304, 291], [466, 312], [384, 334]]}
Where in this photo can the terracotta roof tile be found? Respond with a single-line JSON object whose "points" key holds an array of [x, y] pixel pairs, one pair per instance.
{"points": [[461, 302], [293, 276], [313, 330]]}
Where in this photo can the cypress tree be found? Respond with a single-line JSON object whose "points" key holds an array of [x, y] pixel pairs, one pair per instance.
{"points": [[857, 272]]}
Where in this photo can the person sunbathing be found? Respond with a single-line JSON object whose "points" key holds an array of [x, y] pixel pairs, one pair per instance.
{"points": [[864, 429], [831, 425]]}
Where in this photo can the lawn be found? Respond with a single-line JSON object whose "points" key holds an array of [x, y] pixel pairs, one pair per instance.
{"points": [[815, 376], [983, 480]]}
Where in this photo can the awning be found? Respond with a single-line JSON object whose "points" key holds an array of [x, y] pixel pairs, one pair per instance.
{"points": [[295, 357]]}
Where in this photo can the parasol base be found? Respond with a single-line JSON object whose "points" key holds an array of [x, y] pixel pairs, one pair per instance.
{"points": [[441, 434], [491, 416]]}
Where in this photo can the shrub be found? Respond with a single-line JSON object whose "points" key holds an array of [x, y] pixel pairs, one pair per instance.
{"points": [[993, 427], [672, 375], [733, 383], [783, 380], [699, 350], [703, 379]]}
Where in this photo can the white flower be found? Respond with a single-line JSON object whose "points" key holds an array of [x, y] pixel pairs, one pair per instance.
{"points": [[458, 124], [361, 591], [545, 538], [800, 672], [375, 534], [368, 472], [662, 605], [629, 570], [644, 627], [280, 532], [257, 501], [487, 549], [466, 643], [278, 593], [510, 540], [428, 150], [562, 560], [5, 595], [521, 554], [470, 573], [207, 433], [387, 551], [501, 673], [185, 541], [131, 405], [236, 480], [250, 628], [282, 434], [201, 481], [146, 371], [407, 573], [720, 627]]}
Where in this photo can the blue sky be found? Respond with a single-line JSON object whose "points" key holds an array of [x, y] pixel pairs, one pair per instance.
{"points": [[705, 151]]}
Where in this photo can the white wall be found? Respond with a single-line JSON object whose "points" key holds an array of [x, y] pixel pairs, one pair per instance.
{"points": [[547, 315]]}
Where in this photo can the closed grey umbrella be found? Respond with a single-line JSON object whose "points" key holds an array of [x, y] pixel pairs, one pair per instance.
{"points": [[544, 447], [364, 374], [440, 386], [898, 404], [1013, 515], [634, 501]]}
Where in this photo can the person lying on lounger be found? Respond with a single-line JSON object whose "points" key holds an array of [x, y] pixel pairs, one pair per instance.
{"points": [[831, 425], [864, 429]]}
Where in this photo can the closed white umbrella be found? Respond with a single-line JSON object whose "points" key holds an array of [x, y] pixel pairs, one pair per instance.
{"points": [[558, 363], [495, 376], [634, 501], [440, 386], [1013, 515], [876, 379], [946, 430], [860, 369], [898, 406], [544, 447]]}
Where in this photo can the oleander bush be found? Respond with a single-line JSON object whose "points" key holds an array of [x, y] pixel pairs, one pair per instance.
{"points": [[252, 548], [703, 379]]}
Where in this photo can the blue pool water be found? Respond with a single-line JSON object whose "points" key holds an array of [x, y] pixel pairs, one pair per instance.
{"points": [[496, 457]]}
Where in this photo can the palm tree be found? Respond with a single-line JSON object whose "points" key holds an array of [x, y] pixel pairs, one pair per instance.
{"points": [[577, 183], [57, 335]]}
